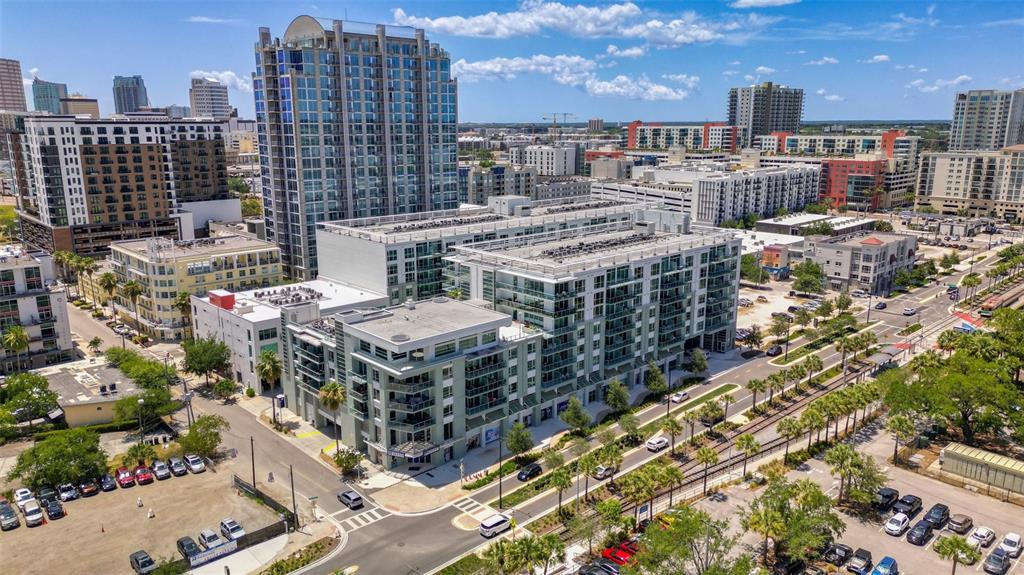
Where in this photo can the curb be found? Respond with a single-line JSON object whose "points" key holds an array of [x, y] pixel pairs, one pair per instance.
{"points": [[342, 543]]}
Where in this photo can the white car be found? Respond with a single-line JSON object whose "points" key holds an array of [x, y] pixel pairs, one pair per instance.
{"points": [[1012, 544], [195, 463], [23, 496], [231, 529], [897, 524], [657, 443], [602, 472], [680, 396], [33, 513], [981, 537]]}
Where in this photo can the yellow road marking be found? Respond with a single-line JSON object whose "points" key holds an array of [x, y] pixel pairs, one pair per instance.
{"points": [[308, 434]]}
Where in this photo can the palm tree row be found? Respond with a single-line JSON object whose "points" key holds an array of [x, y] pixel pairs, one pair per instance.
{"points": [[525, 554], [642, 485], [828, 410], [75, 266], [778, 381]]}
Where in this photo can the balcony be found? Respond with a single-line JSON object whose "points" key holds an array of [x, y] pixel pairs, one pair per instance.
{"points": [[411, 404], [411, 423]]}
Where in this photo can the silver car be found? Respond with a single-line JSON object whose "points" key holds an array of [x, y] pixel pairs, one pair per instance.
{"points": [[160, 470]]}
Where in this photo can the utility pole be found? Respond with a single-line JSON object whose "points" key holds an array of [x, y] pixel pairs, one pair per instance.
{"points": [[295, 509], [252, 452], [501, 439]]}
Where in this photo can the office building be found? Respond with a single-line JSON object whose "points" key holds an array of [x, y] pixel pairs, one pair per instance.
{"points": [[401, 255], [208, 98], [595, 125], [175, 111], [166, 267], [707, 136], [12, 90], [32, 299], [249, 322], [91, 182], [546, 160], [987, 120], [478, 183], [865, 261], [978, 183], [129, 94], [46, 96], [859, 185], [388, 148], [765, 108], [78, 105]]}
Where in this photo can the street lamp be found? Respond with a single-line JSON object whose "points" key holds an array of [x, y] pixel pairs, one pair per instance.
{"points": [[142, 402], [870, 296], [501, 439]]}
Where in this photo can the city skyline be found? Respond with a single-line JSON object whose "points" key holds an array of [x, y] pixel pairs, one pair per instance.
{"points": [[518, 62]]}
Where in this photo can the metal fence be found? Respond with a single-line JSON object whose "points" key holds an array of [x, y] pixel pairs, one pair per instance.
{"points": [[265, 534], [286, 514]]}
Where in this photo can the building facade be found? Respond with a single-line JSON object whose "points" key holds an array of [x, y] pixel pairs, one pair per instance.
{"points": [[866, 261], [91, 182], [979, 183], [987, 120], [31, 298], [546, 160], [477, 183], [765, 108], [707, 136], [77, 105], [46, 96], [386, 123], [857, 184], [595, 125], [165, 268], [208, 98], [12, 90], [129, 94]]}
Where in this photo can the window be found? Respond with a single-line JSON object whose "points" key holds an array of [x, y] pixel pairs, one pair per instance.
{"points": [[265, 334], [467, 343], [489, 337], [443, 349]]}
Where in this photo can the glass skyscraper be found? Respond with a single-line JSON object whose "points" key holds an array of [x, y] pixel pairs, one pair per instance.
{"points": [[47, 95], [354, 120]]}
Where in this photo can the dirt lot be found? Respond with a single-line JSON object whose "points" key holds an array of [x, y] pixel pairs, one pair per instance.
{"points": [[99, 532], [761, 313]]}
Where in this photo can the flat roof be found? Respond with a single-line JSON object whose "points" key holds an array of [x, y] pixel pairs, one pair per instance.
{"points": [[167, 248], [265, 303], [841, 222], [754, 241], [86, 381], [407, 324], [799, 219], [868, 239]]}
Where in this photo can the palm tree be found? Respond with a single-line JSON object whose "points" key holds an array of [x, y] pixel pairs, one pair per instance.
{"points": [[611, 457], [925, 362], [726, 400], [767, 522], [811, 421], [95, 344], [902, 430], [15, 339], [844, 346], [672, 428], [269, 367], [795, 374], [526, 551], [61, 258], [88, 266], [332, 396], [756, 386], [79, 264], [550, 549], [813, 364], [749, 446], [672, 477], [845, 462], [956, 549], [634, 490], [708, 457], [108, 281], [948, 341], [560, 480], [691, 417], [183, 303], [132, 290], [499, 556], [776, 382], [789, 428], [587, 465]]}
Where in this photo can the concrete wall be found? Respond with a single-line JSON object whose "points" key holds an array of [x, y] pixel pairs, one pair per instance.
{"points": [[354, 261], [92, 413]]}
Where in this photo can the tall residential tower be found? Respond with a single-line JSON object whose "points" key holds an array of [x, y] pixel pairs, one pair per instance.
{"points": [[353, 121], [129, 94], [47, 95], [208, 98], [987, 120], [766, 108], [12, 91]]}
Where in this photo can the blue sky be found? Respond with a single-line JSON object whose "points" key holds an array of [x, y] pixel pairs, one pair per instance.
{"points": [[520, 61]]}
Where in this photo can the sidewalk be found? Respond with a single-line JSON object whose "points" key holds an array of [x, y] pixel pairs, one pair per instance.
{"points": [[247, 560]]}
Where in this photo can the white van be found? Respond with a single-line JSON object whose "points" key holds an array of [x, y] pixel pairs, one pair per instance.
{"points": [[494, 525]]}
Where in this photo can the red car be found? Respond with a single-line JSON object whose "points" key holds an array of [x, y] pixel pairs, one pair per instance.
{"points": [[143, 475], [631, 546], [124, 477], [618, 555]]}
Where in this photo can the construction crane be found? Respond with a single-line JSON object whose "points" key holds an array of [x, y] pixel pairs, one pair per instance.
{"points": [[554, 120]]}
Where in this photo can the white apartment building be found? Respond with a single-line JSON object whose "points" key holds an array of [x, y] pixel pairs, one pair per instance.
{"points": [[547, 160], [867, 261], [208, 98], [987, 120], [982, 183], [31, 298], [892, 144]]}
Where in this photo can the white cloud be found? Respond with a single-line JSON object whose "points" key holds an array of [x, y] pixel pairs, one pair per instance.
{"points": [[1014, 81], [931, 9], [764, 71], [1010, 22], [958, 81], [226, 77], [575, 71], [34, 72], [921, 86], [749, 77], [821, 92], [634, 52], [690, 82], [735, 63], [729, 72], [822, 62], [761, 3], [828, 96], [797, 52], [876, 59], [211, 20]]}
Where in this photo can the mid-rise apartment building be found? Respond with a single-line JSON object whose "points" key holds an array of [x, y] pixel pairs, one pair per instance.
{"points": [[46, 96], [546, 160], [31, 298], [708, 136], [894, 144], [979, 183], [987, 120], [478, 183], [12, 89], [765, 108], [865, 261], [130, 94], [568, 188], [165, 268], [90, 182], [382, 103], [76, 105], [208, 98], [595, 125]]}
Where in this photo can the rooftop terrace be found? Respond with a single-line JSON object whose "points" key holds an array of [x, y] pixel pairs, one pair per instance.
{"points": [[164, 248]]}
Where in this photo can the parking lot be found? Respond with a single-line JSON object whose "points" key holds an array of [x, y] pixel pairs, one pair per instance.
{"points": [[99, 532]]}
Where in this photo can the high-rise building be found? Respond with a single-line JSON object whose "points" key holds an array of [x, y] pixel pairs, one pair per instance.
{"points": [[90, 182], [47, 95], [595, 125], [12, 91], [987, 120], [766, 108], [370, 130], [208, 98], [557, 160], [129, 94], [78, 105], [175, 111], [980, 183]]}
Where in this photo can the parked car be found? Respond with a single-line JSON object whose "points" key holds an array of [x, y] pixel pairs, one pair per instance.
{"points": [[938, 515], [921, 532], [195, 463], [897, 524], [67, 492], [230, 529], [494, 525], [141, 562], [838, 554], [591, 570], [981, 537], [960, 523], [350, 499], [788, 566], [997, 563], [859, 293], [177, 466], [909, 310], [1012, 544], [762, 299], [88, 488], [143, 475], [8, 517], [813, 570], [782, 314], [160, 470], [793, 308], [608, 567], [33, 513], [885, 498], [121, 329], [46, 494], [618, 555], [774, 350], [54, 510], [909, 505], [188, 547], [680, 396], [860, 563], [23, 496], [529, 471], [657, 443], [881, 305], [887, 566], [602, 472], [124, 477], [107, 483], [208, 539]]}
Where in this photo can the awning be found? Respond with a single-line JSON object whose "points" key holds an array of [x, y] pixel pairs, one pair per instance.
{"points": [[880, 358], [413, 449]]}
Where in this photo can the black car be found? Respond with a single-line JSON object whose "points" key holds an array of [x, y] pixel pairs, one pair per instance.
{"points": [[921, 533], [880, 305], [774, 350], [529, 471], [885, 498], [938, 515], [793, 308], [107, 483], [607, 566], [838, 554], [642, 525], [788, 566], [861, 562], [54, 510], [997, 563], [46, 494], [909, 505], [591, 570], [188, 547]]}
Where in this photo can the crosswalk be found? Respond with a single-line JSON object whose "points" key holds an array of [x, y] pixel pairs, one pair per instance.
{"points": [[473, 508], [363, 519]]}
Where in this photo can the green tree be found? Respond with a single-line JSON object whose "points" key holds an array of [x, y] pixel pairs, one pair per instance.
{"points": [[808, 277], [332, 396], [779, 328], [617, 397], [252, 207], [576, 416], [95, 344], [550, 550], [132, 290], [156, 401], [956, 549], [811, 421], [203, 436], [28, 393], [843, 302], [656, 384], [206, 356], [803, 317], [756, 386], [8, 423], [767, 522], [69, 456], [499, 557], [903, 278], [822, 228], [269, 367], [553, 459], [347, 460], [238, 186], [560, 480], [629, 425], [139, 454], [844, 461], [754, 339], [15, 339], [791, 429], [518, 440], [751, 271], [808, 519], [611, 457], [224, 388], [698, 361], [693, 544], [183, 303], [708, 457], [108, 282], [826, 308], [587, 465], [902, 430], [672, 428], [883, 226], [749, 446]]}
